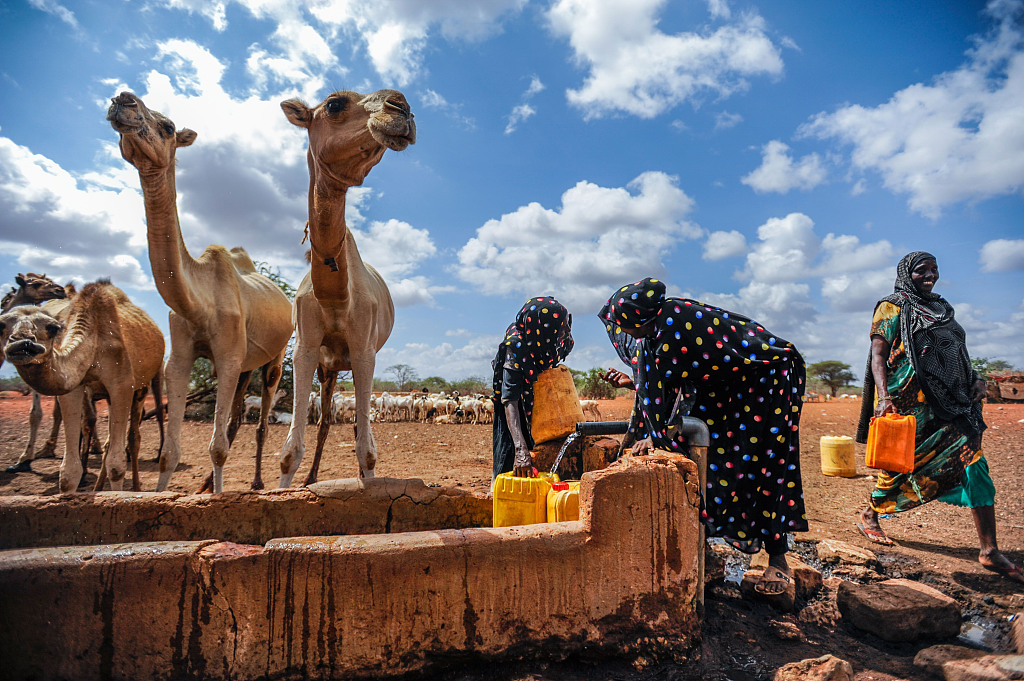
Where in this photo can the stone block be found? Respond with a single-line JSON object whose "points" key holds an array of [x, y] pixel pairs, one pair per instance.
{"points": [[987, 668], [931, 659], [830, 550], [899, 610], [1018, 632], [785, 600], [825, 668]]}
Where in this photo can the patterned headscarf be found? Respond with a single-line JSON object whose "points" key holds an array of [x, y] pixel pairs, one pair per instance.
{"points": [[936, 345], [539, 338]]}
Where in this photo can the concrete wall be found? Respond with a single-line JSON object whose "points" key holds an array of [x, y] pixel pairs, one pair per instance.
{"points": [[352, 506], [366, 605]]}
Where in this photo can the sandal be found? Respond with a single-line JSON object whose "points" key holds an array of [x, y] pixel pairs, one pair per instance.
{"points": [[1014, 573], [772, 575], [875, 536]]}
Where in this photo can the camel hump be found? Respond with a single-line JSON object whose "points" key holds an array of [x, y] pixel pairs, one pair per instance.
{"points": [[100, 292]]}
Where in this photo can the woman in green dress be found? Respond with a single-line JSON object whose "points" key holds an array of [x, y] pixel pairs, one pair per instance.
{"points": [[919, 365]]}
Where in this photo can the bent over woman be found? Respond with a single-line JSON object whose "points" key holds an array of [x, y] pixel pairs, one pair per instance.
{"points": [[539, 338], [745, 383], [919, 365]]}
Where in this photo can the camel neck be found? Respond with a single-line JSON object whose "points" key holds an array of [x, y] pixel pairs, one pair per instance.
{"points": [[68, 362], [328, 236], [168, 257]]}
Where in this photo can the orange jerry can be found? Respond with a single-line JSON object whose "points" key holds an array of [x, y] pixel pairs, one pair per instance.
{"points": [[891, 443], [556, 405]]}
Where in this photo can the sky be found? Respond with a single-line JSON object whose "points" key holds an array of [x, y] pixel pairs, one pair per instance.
{"points": [[775, 158]]}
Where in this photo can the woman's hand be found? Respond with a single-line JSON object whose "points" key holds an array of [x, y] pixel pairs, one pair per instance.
{"points": [[641, 447], [523, 465], [884, 406], [979, 390], [617, 379]]}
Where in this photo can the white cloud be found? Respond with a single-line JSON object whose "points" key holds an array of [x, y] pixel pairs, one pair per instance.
{"points": [[786, 250], [721, 245], [1002, 255], [725, 120], [958, 138], [473, 358], [635, 68], [56, 9], [393, 34], [435, 100], [779, 173], [598, 235], [519, 114]]}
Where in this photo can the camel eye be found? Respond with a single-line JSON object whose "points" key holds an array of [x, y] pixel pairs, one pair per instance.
{"points": [[335, 106], [53, 328], [168, 128]]}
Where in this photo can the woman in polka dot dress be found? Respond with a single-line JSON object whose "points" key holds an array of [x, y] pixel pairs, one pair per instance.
{"points": [[746, 384]]}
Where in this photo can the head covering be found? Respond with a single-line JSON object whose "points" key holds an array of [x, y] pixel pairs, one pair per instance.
{"points": [[936, 345], [635, 304], [539, 338]]}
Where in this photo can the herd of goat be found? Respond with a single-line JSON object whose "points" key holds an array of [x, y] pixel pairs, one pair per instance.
{"points": [[443, 407]]}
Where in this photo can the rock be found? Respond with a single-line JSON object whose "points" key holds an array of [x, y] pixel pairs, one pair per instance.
{"points": [[833, 550], [826, 668], [785, 601], [859, 573], [987, 668], [714, 565], [899, 610], [808, 580], [931, 659], [786, 631], [1018, 632]]}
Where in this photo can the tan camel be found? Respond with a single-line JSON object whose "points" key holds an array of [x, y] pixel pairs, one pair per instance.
{"points": [[221, 307], [35, 289], [343, 309], [102, 342]]}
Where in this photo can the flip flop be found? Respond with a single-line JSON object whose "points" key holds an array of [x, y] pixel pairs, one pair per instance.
{"points": [[1014, 573], [772, 575], [875, 536]]}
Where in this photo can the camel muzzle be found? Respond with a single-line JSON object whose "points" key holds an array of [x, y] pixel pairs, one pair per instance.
{"points": [[23, 351]]}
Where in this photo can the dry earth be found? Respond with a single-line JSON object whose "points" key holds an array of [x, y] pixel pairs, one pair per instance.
{"points": [[937, 543]]}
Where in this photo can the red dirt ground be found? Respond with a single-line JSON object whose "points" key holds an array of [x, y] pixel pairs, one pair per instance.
{"points": [[938, 543]]}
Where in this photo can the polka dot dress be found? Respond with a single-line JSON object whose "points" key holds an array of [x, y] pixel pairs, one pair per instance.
{"points": [[744, 382]]}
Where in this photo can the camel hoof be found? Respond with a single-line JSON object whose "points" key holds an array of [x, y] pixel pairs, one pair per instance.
{"points": [[23, 467], [256, 486]]}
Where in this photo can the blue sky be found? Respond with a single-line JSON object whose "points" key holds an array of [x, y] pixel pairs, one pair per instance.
{"points": [[774, 158]]}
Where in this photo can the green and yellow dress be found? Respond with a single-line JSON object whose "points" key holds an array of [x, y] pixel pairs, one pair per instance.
{"points": [[946, 466]]}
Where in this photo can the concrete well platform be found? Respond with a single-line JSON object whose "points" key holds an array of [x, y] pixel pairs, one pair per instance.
{"points": [[360, 605]]}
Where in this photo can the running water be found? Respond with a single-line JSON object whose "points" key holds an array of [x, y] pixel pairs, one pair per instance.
{"points": [[561, 452]]}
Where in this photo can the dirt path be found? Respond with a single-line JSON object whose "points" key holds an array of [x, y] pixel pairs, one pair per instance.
{"points": [[938, 543]]}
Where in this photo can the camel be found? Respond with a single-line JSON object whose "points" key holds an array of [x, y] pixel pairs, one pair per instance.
{"points": [[102, 342], [221, 307], [343, 309]]}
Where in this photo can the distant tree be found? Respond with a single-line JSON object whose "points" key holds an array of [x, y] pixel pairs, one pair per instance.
{"points": [[471, 385], [832, 373], [15, 383], [434, 384], [986, 367], [403, 374], [591, 386]]}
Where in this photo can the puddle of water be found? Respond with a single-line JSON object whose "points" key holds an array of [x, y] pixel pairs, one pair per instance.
{"points": [[980, 632]]}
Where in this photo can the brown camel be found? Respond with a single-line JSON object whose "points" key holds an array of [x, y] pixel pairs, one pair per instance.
{"points": [[343, 309], [35, 289], [103, 343], [221, 307]]}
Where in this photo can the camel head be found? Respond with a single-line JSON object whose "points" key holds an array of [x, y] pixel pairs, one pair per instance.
{"points": [[39, 287], [27, 335], [349, 132], [148, 138]]}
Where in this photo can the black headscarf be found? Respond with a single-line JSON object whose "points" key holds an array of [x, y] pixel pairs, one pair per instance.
{"points": [[936, 345]]}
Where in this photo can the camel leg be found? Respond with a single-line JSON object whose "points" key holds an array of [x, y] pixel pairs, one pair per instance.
{"points": [[229, 378], [328, 380], [49, 448], [158, 399], [271, 378], [71, 466], [115, 459], [234, 423], [134, 439], [176, 374], [366, 446], [304, 362], [35, 417]]}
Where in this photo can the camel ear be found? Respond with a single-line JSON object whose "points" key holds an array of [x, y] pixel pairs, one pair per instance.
{"points": [[20, 280], [297, 112], [184, 137]]}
